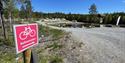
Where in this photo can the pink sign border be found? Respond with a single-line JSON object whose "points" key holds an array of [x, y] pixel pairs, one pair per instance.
{"points": [[15, 37]]}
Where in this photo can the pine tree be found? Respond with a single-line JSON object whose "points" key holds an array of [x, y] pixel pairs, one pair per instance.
{"points": [[93, 9]]}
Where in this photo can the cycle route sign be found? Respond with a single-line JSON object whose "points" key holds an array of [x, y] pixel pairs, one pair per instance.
{"points": [[26, 36]]}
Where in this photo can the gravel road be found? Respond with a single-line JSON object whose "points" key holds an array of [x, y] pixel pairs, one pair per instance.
{"points": [[102, 45]]}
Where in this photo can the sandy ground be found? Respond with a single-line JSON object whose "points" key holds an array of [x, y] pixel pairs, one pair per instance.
{"points": [[102, 45]]}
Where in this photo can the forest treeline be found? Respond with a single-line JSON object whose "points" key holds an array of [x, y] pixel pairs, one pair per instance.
{"points": [[25, 11], [108, 18]]}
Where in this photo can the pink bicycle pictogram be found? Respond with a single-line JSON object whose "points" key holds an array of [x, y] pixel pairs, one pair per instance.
{"points": [[27, 32]]}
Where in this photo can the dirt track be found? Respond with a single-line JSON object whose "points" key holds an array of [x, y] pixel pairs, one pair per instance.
{"points": [[102, 45]]}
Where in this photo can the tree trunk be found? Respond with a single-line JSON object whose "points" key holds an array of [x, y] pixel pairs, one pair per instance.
{"points": [[10, 19], [3, 26]]}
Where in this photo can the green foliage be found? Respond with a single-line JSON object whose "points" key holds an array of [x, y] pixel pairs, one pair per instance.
{"points": [[112, 18], [28, 8], [86, 18], [15, 13], [93, 9], [26, 12], [37, 15], [22, 12]]}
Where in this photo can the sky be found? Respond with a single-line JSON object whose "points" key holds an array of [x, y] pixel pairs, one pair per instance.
{"points": [[78, 6]]}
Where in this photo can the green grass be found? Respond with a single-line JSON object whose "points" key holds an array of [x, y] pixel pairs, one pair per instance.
{"points": [[56, 33], [10, 38], [55, 46], [50, 59], [56, 59], [43, 59], [47, 58], [8, 42], [1, 41], [42, 30], [7, 57], [48, 31]]}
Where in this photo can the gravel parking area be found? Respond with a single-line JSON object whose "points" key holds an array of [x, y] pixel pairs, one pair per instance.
{"points": [[102, 45]]}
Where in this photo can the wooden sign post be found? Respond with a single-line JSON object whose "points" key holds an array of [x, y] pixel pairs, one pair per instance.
{"points": [[27, 56], [26, 36]]}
